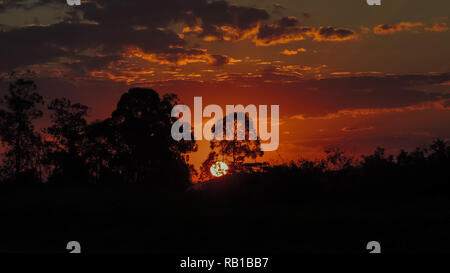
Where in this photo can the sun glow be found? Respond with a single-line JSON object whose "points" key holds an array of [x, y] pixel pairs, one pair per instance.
{"points": [[219, 169]]}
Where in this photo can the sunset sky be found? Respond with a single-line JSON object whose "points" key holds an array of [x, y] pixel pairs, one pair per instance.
{"points": [[344, 73]]}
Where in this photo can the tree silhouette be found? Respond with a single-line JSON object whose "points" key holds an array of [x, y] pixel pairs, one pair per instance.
{"points": [[377, 161], [68, 140], [140, 135], [21, 108], [336, 159], [99, 152], [237, 151], [440, 151]]}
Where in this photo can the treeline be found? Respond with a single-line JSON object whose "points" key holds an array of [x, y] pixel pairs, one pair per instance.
{"points": [[134, 145], [417, 175]]}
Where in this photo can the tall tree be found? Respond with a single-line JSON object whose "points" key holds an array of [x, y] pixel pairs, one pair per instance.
{"points": [[68, 139], [20, 109], [237, 151], [99, 152], [140, 135]]}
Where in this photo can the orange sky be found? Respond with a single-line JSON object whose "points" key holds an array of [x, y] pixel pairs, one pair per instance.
{"points": [[344, 73]]}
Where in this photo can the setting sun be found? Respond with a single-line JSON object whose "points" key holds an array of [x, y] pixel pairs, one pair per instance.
{"points": [[219, 169]]}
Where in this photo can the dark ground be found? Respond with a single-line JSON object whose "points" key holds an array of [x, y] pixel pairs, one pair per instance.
{"points": [[138, 219]]}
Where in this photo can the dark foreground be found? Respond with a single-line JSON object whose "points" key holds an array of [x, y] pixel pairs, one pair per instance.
{"points": [[212, 220]]}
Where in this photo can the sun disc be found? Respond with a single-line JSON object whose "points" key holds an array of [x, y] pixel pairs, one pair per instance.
{"points": [[219, 169]]}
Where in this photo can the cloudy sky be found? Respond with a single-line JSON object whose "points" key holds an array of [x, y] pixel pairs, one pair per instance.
{"points": [[344, 73]]}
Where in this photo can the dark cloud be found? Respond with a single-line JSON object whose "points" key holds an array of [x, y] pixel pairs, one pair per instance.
{"points": [[223, 21], [182, 56], [216, 19], [410, 26], [6, 5], [110, 28], [107, 30], [11, 4], [40, 44], [289, 29], [152, 14], [390, 29], [286, 30], [220, 60], [221, 13], [334, 34]]}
